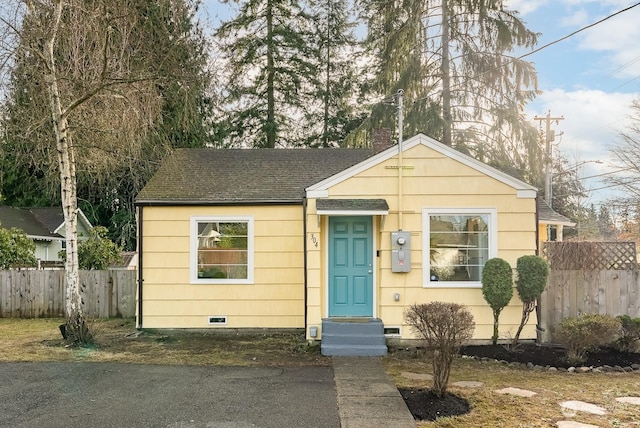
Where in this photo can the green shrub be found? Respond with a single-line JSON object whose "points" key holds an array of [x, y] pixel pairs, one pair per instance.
{"points": [[444, 328], [497, 288], [97, 252], [16, 249], [532, 279], [585, 333], [629, 333]]}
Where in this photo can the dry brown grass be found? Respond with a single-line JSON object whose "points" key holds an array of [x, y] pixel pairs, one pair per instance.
{"points": [[117, 340], [490, 409]]}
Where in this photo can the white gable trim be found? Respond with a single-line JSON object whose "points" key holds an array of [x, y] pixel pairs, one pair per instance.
{"points": [[524, 190], [526, 194], [81, 217], [317, 194]]}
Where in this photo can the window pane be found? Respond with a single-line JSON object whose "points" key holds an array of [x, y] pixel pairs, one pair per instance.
{"points": [[223, 250], [459, 246]]}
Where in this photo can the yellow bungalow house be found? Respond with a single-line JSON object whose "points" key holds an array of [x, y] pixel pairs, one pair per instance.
{"points": [[338, 242]]}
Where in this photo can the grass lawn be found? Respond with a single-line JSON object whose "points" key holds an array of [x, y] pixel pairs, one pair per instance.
{"points": [[117, 340]]}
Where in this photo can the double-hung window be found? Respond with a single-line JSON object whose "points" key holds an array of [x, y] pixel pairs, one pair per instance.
{"points": [[457, 243], [222, 250]]}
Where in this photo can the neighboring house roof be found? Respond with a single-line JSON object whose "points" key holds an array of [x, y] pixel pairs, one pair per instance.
{"points": [[128, 260], [547, 215], [37, 223], [236, 176], [25, 220], [51, 217]]}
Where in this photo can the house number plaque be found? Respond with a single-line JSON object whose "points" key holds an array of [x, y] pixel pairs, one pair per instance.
{"points": [[314, 240]]}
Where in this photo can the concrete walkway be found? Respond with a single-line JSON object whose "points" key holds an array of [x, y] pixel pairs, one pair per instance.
{"points": [[366, 396]]}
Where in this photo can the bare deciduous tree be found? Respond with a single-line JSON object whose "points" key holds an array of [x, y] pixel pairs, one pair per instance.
{"points": [[103, 89]]}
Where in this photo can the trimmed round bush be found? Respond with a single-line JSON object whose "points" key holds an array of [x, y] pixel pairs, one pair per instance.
{"points": [[497, 288], [532, 277]]}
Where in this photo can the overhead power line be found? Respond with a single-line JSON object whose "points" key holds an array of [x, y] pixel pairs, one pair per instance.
{"points": [[586, 27]]}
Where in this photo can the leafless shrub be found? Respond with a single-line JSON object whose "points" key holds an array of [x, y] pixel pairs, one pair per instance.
{"points": [[444, 328]]}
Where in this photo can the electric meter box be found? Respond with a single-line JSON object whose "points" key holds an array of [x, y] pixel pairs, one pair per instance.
{"points": [[400, 251]]}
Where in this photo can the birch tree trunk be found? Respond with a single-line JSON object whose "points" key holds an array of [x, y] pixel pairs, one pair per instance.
{"points": [[75, 329]]}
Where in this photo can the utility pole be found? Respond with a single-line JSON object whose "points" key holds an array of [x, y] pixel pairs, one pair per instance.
{"points": [[549, 136]]}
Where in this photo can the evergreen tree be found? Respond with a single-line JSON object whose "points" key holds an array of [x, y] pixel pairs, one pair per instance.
{"points": [[333, 113], [588, 225], [606, 226], [567, 193], [271, 75], [463, 86]]}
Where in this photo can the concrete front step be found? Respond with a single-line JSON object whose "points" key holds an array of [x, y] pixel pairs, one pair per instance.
{"points": [[353, 337]]}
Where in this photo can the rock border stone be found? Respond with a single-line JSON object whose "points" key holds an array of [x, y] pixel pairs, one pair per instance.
{"points": [[581, 369]]}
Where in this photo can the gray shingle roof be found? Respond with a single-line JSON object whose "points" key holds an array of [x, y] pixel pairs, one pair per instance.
{"points": [[34, 222], [226, 176], [50, 217], [547, 215], [352, 205]]}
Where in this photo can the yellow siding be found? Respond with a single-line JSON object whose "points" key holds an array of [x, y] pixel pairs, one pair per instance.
{"points": [[542, 234], [435, 181], [274, 300], [240, 321]]}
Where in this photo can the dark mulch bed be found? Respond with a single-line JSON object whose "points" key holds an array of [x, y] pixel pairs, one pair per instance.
{"points": [[550, 356], [424, 405]]}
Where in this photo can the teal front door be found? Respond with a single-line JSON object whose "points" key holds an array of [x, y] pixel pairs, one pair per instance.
{"points": [[350, 267]]}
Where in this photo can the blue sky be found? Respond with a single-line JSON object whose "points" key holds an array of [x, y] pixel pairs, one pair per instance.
{"points": [[590, 79]]}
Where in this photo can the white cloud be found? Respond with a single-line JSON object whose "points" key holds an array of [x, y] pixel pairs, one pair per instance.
{"points": [[617, 40], [525, 6], [593, 119], [576, 19], [592, 123]]}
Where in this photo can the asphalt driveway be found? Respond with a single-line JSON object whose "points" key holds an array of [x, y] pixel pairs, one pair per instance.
{"points": [[131, 395]]}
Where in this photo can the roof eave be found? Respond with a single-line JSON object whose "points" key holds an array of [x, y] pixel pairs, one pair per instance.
{"points": [[192, 202]]}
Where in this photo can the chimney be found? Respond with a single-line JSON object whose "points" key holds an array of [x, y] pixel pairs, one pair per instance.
{"points": [[381, 139]]}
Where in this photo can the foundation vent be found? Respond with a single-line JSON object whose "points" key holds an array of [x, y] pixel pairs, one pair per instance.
{"points": [[392, 331], [217, 320]]}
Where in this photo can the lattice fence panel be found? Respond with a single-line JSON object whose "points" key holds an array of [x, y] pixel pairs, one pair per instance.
{"points": [[587, 255]]}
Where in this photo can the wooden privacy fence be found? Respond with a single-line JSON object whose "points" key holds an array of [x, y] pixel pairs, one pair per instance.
{"points": [[34, 293], [589, 278], [573, 292]]}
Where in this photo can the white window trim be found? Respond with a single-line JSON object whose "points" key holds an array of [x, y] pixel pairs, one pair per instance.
{"points": [[193, 257], [426, 233]]}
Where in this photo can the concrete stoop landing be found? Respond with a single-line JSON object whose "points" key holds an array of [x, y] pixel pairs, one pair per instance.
{"points": [[353, 337]]}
